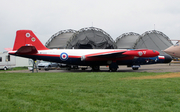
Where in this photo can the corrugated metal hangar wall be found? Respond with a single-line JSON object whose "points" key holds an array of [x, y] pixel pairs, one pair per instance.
{"points": [[95, 38], [155, 40]]}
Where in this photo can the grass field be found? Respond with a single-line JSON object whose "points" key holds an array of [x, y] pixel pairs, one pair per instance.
{"points": [[88, 91]]}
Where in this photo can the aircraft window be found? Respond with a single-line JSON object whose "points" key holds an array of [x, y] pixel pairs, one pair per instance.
{"points": [[154, 51]]}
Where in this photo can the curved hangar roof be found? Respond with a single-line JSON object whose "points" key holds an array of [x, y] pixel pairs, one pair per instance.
{"points": [[91, 38], [127, 40], [59, 39], [155, 40]]}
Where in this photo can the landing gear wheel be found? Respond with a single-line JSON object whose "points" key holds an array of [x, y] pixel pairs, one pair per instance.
{"points": [[69, 68], [95, 68], [83, 68], [135, 68], [113, 69]]}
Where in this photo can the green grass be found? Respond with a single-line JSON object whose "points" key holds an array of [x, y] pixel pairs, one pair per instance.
{"points": [[91, 92], [15, 68], [20, 68]]}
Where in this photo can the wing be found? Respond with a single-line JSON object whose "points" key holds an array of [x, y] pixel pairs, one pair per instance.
{"points": [[103, 55], [119, 54]]}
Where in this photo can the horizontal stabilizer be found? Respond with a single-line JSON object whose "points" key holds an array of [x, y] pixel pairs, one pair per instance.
{"points": [[27, 50], [8, 49]]}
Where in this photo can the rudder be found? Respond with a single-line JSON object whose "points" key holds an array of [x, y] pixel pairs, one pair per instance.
{"points": [[27, 38]]}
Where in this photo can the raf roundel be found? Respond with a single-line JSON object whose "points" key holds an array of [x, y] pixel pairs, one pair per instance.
{"points": [[64, 56], [28, 35], [33, 39], [140, 53]]}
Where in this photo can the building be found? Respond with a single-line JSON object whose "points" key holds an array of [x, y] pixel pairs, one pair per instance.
{"points": [[85, 38], [59, 39], [95, 38], [154, 39]]}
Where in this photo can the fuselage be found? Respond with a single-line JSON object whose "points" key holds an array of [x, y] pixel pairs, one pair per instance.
{"points": [[173, 50], [74, 57], [27, 45]]}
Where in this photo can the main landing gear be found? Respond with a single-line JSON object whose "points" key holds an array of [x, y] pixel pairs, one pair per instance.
{"points": [[95, 68], [134, 67], [113, 67]]}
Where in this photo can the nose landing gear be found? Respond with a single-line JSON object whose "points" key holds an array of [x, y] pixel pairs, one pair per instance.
{"points": [[135, 67]]}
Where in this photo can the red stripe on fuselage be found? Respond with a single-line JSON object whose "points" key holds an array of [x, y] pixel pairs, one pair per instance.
{"points": [[108, 52], [106, 59], [74, 56], [50, 55], [55, 55]]}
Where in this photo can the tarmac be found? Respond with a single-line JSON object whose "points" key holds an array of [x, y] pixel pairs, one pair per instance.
{"points": [[144, 68]]}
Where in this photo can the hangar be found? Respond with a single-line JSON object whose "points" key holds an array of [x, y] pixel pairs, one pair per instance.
{"points": [[91, 38], [95, 38], [59, 39], [154, 39], [127, 40]]}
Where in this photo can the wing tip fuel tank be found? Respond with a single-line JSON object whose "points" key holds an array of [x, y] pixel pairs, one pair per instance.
{"points": [[142, 53]]}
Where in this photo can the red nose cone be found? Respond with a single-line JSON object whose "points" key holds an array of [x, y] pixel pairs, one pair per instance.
{"points": [[157, 53]]}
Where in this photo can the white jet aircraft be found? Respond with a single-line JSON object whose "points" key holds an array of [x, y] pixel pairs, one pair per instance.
{"points": [[29, 46]]}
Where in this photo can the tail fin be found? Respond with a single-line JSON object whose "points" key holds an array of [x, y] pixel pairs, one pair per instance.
{"points": [[27, 38]]}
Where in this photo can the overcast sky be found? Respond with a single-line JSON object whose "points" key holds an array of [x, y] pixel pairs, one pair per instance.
{"points": [[47, 17]]}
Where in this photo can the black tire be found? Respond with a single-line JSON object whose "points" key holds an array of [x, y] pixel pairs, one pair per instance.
{"points": [[48, 68], [113, 69], [83, 68], [69, 68], [95, 68], [135, 68]]}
